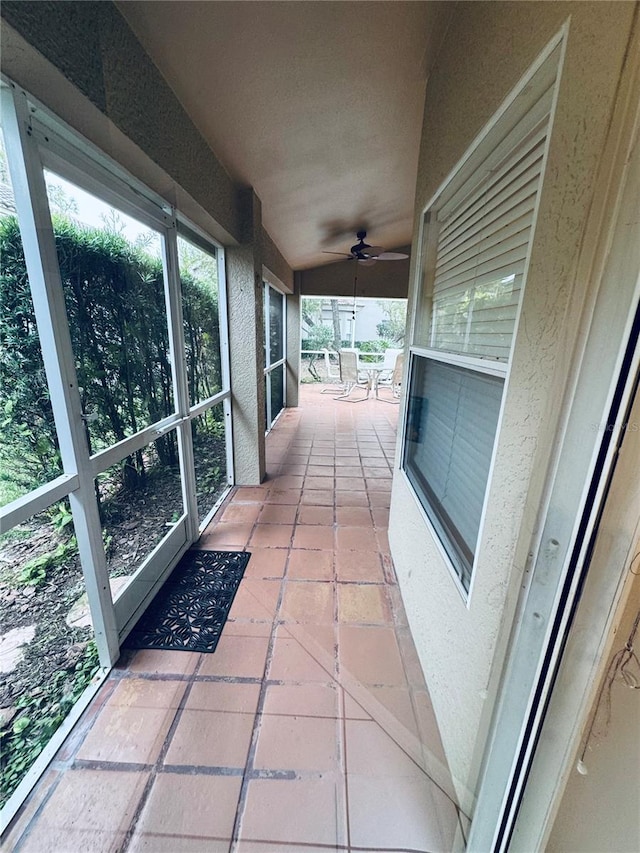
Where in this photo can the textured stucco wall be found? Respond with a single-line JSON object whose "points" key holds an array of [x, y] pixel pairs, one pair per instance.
{"points": [[94, 48], [488, 47], [383, 280], [246, 348]]}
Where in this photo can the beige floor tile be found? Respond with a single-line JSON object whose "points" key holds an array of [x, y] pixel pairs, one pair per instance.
{"points": [[362, 603], [284, 496], [400, 813], [354, 516], [315, 515], [240, 513], [266, 562], [185, 812], [396, 700], [374, 461], [356, 539], [211, 739], [380, 499], [308, 601], [308, 700], [345, 469], [223, 696], [314, 536], [287, 481], [323, 459], [310, 565], [163, 662], [358, 566], [90, 810], [256, 599], [351, 484], [238, 656], [297, 743], [301, 660], [246, 628], [378, 485], [318, 497], [226, 535], [295, 469], [353, 710], [371, 655], [318, 482], [250, 494], [349, 498], [372, 751], [144, 693], [271, 535], [302, 811], [132, 735], [278, 514]]}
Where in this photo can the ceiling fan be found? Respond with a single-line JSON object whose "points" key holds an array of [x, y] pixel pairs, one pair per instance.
{"points": [[366, 254]]}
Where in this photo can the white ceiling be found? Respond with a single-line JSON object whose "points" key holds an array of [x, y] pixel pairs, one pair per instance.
{"points": [[317, 105]]}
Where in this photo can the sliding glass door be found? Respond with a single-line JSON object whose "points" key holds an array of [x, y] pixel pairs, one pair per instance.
{"points": [[275, 353]]}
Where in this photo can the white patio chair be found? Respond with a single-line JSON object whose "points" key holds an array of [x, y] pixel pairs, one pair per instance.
{"points": [[349, 376], [333, 376], [388, 365], [396, 381]]}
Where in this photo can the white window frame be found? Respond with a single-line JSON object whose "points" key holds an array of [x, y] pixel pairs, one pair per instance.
{"points": [[491, 144], [38, 140], [281, 362]]}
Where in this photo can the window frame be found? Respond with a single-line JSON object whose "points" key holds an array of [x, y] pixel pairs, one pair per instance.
{"points": [[532, 100], [270, 366]]}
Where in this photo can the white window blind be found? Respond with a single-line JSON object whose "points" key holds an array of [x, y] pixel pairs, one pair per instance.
{"points": [[451, 429], [482, 249], [474, 265]]}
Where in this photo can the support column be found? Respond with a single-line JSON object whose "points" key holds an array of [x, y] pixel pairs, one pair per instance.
{"points": [[293, 346], [246, 348]]}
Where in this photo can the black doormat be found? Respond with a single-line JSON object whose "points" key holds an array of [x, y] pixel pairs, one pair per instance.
{"points": [[189, 611]]}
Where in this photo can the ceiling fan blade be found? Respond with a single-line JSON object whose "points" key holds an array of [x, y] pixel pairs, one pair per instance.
{"points": [[342, 254], [391, 256], [372, 251], [367, 262]]}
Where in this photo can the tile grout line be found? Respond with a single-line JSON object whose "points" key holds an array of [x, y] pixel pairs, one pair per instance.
{"points": [[257, 722], [157, 764]]}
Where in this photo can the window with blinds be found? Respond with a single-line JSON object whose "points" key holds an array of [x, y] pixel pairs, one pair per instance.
{"points": [[451, 426], [475, 247], [482, 249]]}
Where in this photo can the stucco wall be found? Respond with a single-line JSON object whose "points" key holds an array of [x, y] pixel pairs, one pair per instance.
{"points": [[383, 280], [488, 47]]}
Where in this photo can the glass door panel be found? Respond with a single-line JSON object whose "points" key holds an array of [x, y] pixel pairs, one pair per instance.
{"points": [[200, 311], [276, 326], [113, 282], [276, 387], [210, 455], [142, 513], [115, 294], [29, 452], [274, 351]]}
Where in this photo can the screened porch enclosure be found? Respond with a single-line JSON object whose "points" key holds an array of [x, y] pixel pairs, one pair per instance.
{"points": [[115, 443]]}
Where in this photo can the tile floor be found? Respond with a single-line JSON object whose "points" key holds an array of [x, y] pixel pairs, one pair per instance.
{"points": [[310, 728]]}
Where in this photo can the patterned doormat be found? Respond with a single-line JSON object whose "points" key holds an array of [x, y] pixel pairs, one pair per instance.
{"points": [[189, 611]]}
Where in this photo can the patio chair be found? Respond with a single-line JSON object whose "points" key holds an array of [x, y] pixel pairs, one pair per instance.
{"points": [[396, 382], [349, 376], [332, 376], [388, 365]]}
